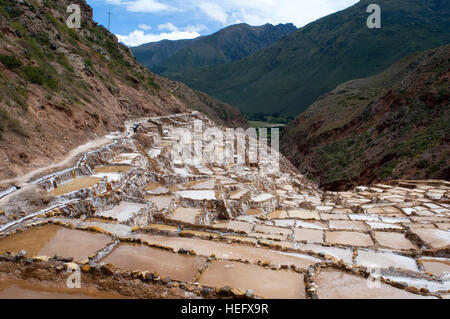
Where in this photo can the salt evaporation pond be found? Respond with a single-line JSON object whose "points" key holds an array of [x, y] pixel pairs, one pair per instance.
{"points": [[144, 258], [197, 194], [75, 185], [267, 283], [51, 240], [334, 284]]}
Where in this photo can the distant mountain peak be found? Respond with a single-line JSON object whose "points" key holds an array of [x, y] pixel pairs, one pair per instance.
{"points": [[226, 45], [291, 73]]}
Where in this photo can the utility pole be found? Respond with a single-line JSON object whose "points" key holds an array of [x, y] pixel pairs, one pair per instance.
{"points": [[109, 17]]}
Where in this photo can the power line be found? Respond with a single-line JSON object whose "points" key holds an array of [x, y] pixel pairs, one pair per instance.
{"points": [[109, 17]]}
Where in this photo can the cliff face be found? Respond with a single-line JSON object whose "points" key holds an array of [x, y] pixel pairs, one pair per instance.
{"points": [[61, 87], [390, 126]]}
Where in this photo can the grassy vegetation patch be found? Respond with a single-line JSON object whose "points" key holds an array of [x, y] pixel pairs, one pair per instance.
{"points": [[423, 140], [11, 9], [31, 49], [153, 85], [62, 59], [16, 93], [387, 169], [50, 4], [7, 122], [38, 76], [11, 62], [273, 118], [338, 159]]}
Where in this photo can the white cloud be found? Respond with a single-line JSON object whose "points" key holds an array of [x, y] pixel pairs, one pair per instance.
{"points": [[214, 11], [147, 6], [224, 12], [142, 5], [144, 27], [196, 28], [258, 12], [115, 2], [168, 26], [255, 12], [138, 37]]}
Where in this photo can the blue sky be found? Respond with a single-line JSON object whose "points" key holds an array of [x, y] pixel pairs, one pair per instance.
{"points": [[141, 21]]}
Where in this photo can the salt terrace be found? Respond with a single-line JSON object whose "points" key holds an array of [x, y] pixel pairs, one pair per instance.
{"points": [[140, 225]]}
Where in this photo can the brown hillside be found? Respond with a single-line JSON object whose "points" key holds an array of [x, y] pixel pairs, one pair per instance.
{"points": [[393, 125], [61, 87]]}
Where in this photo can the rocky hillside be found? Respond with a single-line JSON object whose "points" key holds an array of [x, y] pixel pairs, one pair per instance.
{"points": [[291, 74], [60, 87], [390, 126], [172, 58]]}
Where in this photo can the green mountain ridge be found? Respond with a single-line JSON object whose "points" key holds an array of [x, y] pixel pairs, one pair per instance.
{"points": [[293, 72], [152, 54], [168, 58]]}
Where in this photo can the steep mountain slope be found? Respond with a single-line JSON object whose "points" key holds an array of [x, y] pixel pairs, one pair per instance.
{"points": [[152, 54], [227, 45], [60, 87], [390, 126], [292, 73]]}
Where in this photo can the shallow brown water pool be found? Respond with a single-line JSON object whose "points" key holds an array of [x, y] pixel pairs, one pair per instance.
{"points": [[334, 284], [143, 258], [21, 289], [75, 185], [231, 251], [113, 169], [51, 240], [267, 283]]}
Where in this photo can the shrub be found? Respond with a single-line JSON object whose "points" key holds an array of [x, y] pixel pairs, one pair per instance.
{"points": [[13, 11], [34, 75], [153, 85], [51, 83], [38, 76], [6, 121], [11, 62], [61, 58], [88, 62], [42, 38]]}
